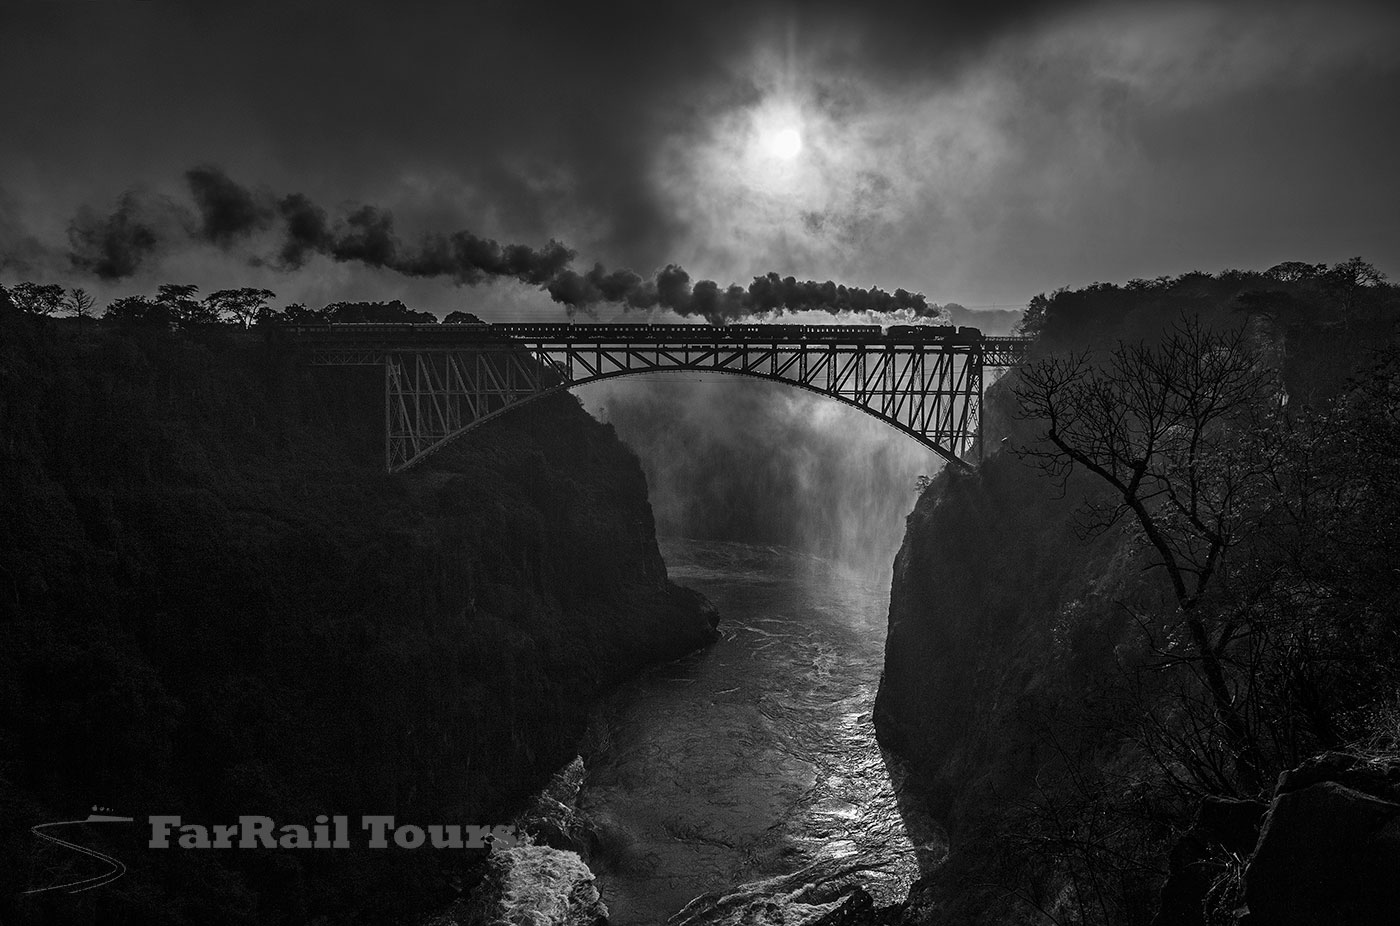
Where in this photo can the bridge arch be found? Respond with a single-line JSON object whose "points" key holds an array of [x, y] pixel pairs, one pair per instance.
{"points": [[444, 381], [943, 452]]}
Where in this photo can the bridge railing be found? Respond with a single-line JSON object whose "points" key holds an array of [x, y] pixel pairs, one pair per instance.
{"points": [[427, 334]]}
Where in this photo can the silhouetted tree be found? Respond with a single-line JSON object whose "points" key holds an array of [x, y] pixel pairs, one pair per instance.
{"points": [[1291, 271], [37, 298], [1034, 318], [1349, 283], [137, 310], [394, 311], [80, 303], [298, 313], [184, 309], [244, 305], [461, 318], [1354, 274]]}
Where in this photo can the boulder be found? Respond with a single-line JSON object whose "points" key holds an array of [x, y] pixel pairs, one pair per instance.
{"points": [[1329, 851]]}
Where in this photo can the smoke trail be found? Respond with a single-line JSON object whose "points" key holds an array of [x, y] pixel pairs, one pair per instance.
{"points": [[228, 214], [20, 252], [227, 211], [114, 246]]}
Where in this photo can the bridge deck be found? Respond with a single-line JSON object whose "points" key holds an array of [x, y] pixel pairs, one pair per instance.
{"points": [[452, 337]]}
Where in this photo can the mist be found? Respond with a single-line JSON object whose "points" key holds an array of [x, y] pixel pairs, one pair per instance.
{"points": [[738, 459]]}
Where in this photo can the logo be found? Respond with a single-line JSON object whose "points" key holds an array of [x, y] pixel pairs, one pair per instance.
{"points": [[115, 868], [260, 832], [376, 832]]}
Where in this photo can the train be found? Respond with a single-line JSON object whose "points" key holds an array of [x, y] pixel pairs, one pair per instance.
{"points": [[591, 331]]}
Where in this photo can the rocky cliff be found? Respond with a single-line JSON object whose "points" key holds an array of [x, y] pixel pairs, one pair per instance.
{"points": [[1035, 676], [999, 673], [213, 602]]}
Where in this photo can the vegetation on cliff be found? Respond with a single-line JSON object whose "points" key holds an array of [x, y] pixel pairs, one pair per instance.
{"points": [[1192, 591], [213, 602]]}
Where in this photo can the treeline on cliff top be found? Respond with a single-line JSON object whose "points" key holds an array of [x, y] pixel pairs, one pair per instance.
{"points": [[1176, 583], [213, 602], [179, 305]]}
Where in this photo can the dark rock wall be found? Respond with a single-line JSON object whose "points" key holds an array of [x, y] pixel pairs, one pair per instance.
{"points": [[213, 602], [999, 684]]}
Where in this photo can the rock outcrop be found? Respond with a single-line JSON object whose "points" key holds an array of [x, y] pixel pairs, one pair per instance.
{"points": [[1329, 851]]}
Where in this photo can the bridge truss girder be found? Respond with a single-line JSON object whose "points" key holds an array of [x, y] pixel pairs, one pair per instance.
{"points": [[435, 393]]}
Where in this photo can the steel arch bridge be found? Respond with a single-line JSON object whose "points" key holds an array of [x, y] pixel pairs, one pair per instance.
{"points": [[441, 381]]}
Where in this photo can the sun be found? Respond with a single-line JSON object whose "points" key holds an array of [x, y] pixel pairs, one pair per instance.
{"points": [[775, 147], [782, 142]]}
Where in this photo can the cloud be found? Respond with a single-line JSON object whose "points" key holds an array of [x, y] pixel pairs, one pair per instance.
{"points": [[977, 150], [1191, 54]]}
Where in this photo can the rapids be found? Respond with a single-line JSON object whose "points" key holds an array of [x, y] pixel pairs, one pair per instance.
{"points": [[755, 759]]}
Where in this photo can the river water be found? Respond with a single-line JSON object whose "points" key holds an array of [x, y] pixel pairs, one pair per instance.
{"points": [[756, 758]]}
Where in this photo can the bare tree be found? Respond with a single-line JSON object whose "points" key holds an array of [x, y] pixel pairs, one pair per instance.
{"points": [[1171, 431], [80, 303]]}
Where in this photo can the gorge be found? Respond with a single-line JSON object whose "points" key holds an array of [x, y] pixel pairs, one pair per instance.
{"points": [[217, 604]]}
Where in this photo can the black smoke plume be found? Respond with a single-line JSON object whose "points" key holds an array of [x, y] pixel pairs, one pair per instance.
{"points": [[227, 211], [227, 214], [115, 245], [672, 289]]}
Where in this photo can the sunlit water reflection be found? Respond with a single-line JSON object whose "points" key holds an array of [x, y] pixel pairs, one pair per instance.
{"points": [[756, 757]]}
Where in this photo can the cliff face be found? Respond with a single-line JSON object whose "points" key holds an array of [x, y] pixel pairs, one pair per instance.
{"points": [[213, 603], [976, 641], [1034, 670], [1001, 682]]}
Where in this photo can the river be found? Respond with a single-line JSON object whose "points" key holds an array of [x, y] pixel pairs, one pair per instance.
{"points": [[756, 758]]}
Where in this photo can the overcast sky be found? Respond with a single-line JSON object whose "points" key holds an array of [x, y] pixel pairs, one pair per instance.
{"points": [[972, 152]]}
